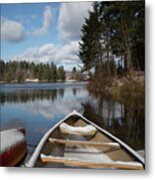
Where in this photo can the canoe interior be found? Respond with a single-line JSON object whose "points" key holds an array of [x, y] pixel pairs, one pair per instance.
{"points": [[81, 151]]}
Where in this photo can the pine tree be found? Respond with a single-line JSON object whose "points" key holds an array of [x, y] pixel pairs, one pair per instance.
{"points": [[90, 48], [113, 29], [61, 73]]}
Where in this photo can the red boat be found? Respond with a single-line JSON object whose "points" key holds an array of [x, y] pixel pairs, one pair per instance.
{"points": [[13, 147]]}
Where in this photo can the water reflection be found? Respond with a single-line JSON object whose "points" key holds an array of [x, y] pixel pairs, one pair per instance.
{"points": [[38, 108], [123, 119], [24, 96], [74, 91]]}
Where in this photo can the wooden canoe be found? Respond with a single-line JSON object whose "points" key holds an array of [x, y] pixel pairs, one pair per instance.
{"points": [[13, 147], [76, 142]]}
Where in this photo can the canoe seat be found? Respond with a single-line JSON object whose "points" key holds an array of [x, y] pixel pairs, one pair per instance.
{"points": [[87, 130], [81, 162]]}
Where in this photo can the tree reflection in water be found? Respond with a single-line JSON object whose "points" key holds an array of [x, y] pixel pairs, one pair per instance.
{"points": [[124, 118], [31, 95]]}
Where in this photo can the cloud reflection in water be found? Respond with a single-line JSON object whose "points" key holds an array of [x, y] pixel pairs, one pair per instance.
{"points": [[59, 106]]}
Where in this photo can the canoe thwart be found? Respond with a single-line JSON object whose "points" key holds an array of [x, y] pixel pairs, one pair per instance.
{"points": [[89, 143], [80, 162]]}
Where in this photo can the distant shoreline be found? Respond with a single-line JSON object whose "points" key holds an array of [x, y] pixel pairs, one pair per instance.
{"points": [[41, 82]]}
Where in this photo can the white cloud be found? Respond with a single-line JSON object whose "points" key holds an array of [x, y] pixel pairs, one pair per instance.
{"points": [[47, 50], [43, 54], [12, 31], [47, 17], [66, 55], [69, 52], [71, 19]]}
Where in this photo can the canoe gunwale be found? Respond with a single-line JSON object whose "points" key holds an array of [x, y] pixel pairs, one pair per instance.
{"points": [[32, 161]]}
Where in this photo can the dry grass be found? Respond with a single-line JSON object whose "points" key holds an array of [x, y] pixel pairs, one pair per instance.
{"points": [[129, 86]]}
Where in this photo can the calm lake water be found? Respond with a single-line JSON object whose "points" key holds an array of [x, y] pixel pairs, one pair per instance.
{"points": [[37, 107]]}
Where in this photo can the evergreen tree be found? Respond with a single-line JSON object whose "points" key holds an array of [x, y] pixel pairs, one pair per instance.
{"points": [[61, 73], [20, 70], [2, 69], [53, 72], [90, 48], [113, 29]]}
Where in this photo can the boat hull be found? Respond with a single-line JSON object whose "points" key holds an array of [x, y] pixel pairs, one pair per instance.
{"points": [[12, 151]]}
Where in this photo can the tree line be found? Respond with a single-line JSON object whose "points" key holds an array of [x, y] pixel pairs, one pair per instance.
{"points": [[112, 38], [19, 71]]}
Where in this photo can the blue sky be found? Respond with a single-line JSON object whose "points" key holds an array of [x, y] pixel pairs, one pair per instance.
{"points": [[43, 32]]}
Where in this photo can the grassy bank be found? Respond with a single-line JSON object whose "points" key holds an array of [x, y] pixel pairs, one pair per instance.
{"points": [[131, 85]]}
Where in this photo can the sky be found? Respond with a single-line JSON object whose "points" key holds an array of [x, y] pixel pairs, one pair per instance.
{"points": [[43, 32]]}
